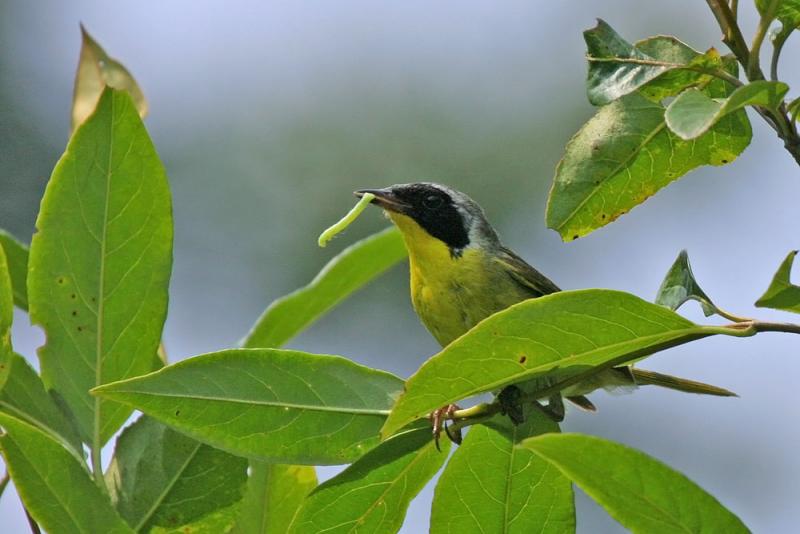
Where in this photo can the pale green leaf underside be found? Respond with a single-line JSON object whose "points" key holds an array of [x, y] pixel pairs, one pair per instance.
{"points": [[25, 397], [625, 154], [159, 477], [372, 495], [278, 405], [616, 67], [100, 262], [344, 274], [679, 285], [781, 293], [643, 494], [274, 495], [566, 335], [692, 113], [17, 260], [55, 488], [492, 486]]}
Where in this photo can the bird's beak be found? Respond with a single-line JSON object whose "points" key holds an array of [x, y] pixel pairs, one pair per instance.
{"points": [[384, 198]]}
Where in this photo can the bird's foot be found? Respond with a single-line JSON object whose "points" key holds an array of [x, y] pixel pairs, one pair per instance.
{"points": [[510, 404], [439, 422]]}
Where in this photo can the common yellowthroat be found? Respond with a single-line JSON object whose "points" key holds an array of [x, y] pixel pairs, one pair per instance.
{"points": [[461, 273]]}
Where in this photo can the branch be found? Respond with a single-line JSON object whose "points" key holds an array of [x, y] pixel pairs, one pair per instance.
{"points": [[485, 411], [731, 34], [753, 66]]}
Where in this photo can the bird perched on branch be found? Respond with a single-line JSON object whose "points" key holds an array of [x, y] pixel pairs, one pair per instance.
{"points": [[461, 273]]}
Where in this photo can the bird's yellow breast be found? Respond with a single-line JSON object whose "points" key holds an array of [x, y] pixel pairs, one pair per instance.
{"points": [[451, 294]]}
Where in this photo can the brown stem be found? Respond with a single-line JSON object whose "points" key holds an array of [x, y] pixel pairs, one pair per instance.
{"points": [[731, 34], [32, 522]]}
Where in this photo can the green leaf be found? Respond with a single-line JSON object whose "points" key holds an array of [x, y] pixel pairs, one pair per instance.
{"points": [[96, 70], [372, 495], [670, 50], [25, 398], [277, 405], [491, 485], [100, 263], [6, 318], [54, 486], [640, 492], [274, 495], [624, 155], [616, 67], [159, 477], [344, 274], [17, 260], [692, 113], [219, 522], [568, 335], [658, 65], [788, 11], [680, 285], [781, 293]]}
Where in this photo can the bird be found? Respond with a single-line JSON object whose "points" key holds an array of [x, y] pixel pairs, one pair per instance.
{"points": [[461, 273]]}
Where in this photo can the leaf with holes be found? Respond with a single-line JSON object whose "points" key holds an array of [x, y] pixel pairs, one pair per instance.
{"points": [[373, 494], [282, 406], [566, 337], [349, 271], [491, 485], [640, 492], [274, 495], [159, 477], [624, 155], [781, 293], [53, 484], [680, 286], [17, 260], [100, 263]]}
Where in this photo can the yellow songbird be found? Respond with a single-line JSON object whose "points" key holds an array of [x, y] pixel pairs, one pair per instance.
{"points": [[461, 273]]}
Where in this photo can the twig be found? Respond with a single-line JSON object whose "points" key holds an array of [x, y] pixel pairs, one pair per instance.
{"points": [[32, 522], [744, 328], [732, 37], [753, 64], [731, 34], [4, 482], [777, 48]]}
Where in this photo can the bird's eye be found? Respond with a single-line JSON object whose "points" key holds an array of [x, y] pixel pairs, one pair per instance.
{"points": [[432, 202]]}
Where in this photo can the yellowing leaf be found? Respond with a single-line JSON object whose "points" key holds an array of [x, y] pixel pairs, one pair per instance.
{"points": [[96, 70]]}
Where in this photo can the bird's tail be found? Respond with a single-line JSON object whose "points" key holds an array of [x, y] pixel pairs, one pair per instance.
{"points": [[643, 377]]}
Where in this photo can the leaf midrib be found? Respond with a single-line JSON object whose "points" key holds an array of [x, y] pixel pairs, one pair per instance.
{"points": [[669, 335], [271, 404], [168, 488], [622, 164]]}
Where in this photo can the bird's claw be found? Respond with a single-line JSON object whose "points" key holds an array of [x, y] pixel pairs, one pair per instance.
{"points": [[510, 404], [439, 422]]}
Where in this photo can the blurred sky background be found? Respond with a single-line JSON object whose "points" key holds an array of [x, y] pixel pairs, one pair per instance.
{"points": [[268, 114]]}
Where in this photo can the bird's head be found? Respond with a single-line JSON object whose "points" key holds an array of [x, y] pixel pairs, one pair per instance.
{"points": [[439, 211]]}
